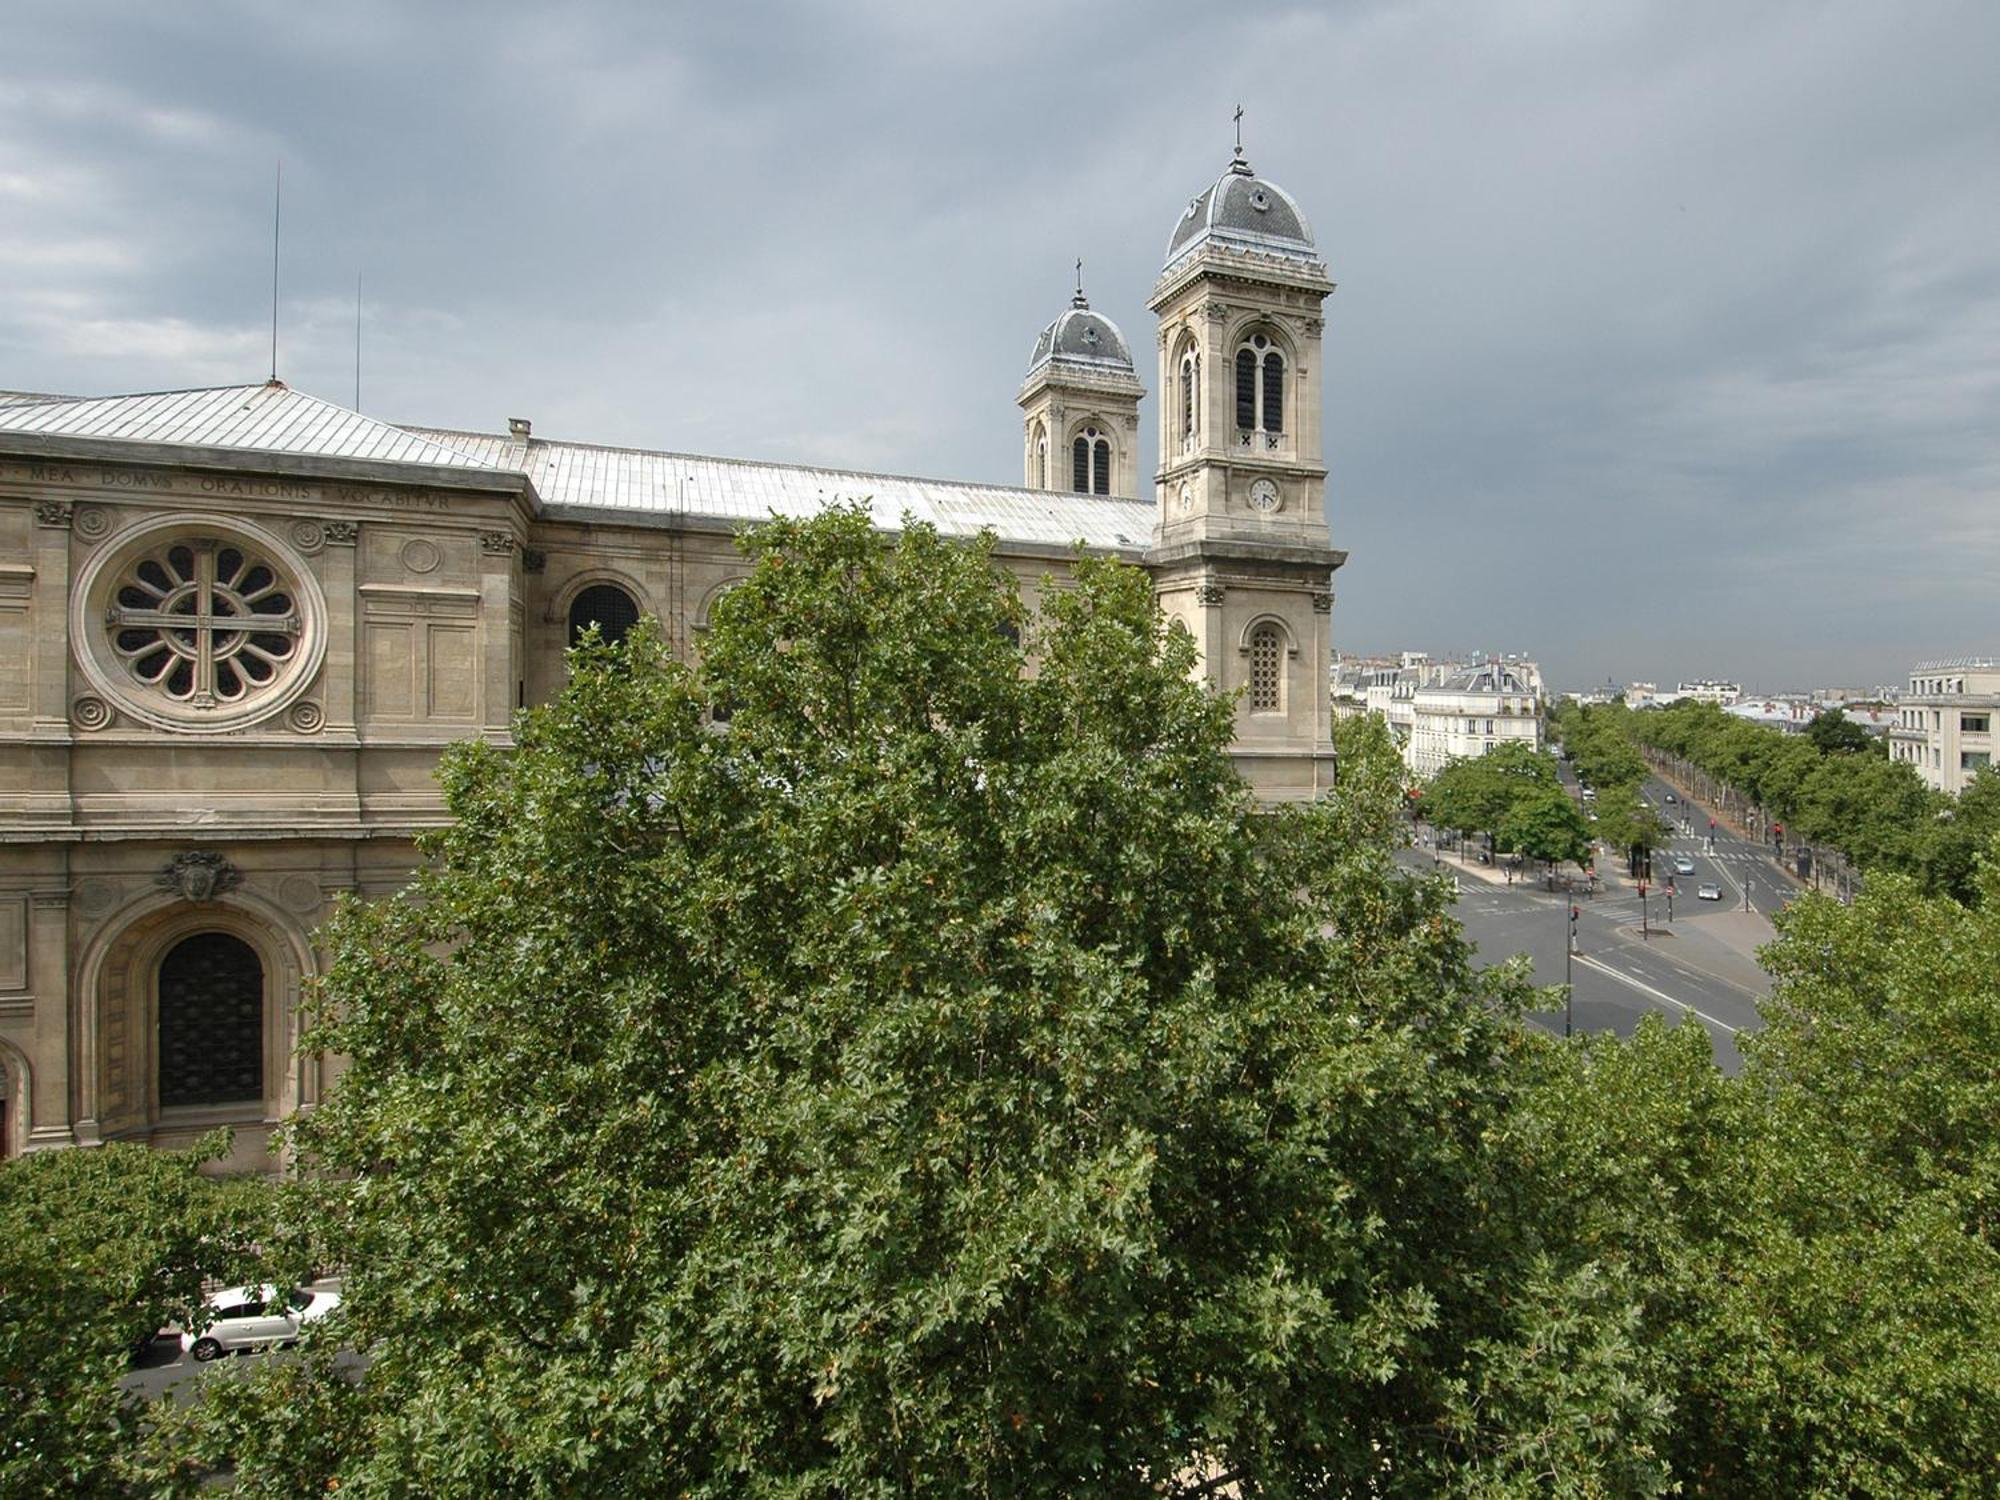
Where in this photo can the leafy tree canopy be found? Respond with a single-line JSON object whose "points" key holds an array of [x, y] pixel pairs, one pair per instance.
{"points": [[98, 1249], [939, 1082]]}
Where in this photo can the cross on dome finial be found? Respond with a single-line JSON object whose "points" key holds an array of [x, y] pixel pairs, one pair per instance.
{"points": [[1079, 300], [1239, 164]]}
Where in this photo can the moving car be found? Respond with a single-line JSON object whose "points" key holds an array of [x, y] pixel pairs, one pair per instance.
{"points": [[250, 1317], [1709, 891], [1683, 865], [1670, 797]]}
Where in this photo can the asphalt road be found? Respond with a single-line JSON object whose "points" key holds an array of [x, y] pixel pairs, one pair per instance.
{"points": [[1693, 967], [1743, 869]]}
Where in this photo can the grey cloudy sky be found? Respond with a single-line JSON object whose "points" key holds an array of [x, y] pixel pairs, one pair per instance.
{"points": [[1667, 338]]}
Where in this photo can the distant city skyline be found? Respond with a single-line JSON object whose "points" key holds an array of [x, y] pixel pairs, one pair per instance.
{"points": [[1666, 343]]}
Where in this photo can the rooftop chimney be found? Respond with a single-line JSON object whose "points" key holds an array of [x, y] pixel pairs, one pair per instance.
{"points": [[519, 427]]}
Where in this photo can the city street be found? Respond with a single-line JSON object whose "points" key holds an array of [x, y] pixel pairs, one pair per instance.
{"points": [[1681, 956]]}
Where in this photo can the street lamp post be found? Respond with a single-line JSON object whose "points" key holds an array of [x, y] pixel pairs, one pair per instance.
{"points": [[1569, 990]]}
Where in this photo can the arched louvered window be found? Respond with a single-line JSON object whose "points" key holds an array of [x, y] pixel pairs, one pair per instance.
{"points": [[1260, 388], [1090, 463], [605, 605], [1273, 395], [211, 1022], [1267, 656], [1041, 457]]}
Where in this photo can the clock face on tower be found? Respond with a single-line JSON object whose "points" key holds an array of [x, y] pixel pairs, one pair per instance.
{"points": [[1264, 496]]}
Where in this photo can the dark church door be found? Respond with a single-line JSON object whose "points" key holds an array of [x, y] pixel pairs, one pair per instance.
{"points": [[211, 1022]]}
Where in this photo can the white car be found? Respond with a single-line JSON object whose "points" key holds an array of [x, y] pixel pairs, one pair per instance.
{"points": [[1683, 865], [1709, 891], [252, 1317]]}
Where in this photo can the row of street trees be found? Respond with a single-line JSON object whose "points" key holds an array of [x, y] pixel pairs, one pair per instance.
{"points": [[944, 1081], [1835, 785]]}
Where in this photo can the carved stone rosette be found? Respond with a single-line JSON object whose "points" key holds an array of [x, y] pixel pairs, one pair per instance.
{"points": [[533, 561], [199, 875]]}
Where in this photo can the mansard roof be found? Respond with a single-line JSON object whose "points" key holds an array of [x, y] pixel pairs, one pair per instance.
{"points": [[572, 480]]}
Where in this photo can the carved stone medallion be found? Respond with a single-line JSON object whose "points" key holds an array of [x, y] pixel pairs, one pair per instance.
{"points": [[199, 875]]}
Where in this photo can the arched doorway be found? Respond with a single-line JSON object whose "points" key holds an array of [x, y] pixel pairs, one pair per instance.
{"points": [[211, 1022]]}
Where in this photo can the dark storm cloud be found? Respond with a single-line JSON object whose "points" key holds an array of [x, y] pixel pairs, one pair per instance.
{"points": [[1665, 338]]}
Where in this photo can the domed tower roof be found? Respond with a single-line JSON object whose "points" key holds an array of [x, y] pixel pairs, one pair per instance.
{"points": [[1242, 211], [1083, 337]]}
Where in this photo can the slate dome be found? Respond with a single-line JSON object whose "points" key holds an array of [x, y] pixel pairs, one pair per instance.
{"points": [[1080, 334], [1242, 211]]}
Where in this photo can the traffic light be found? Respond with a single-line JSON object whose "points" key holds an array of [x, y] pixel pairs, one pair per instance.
{"points": [[1778, 834]]}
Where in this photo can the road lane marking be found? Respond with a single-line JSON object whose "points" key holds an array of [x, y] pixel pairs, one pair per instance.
{"points": [[1646, 989]]}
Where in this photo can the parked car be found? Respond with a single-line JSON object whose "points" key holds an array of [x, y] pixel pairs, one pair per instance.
{"points": [[1683, 865], [1709, 891], [1671, 797], [251, 1317]]}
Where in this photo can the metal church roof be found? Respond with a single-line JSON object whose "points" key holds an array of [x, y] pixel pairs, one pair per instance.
{"points": [[579, 477], [585, 477], [267, 418]]}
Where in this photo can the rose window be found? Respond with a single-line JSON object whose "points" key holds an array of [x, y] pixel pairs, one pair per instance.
{"points": [[205, 622]]}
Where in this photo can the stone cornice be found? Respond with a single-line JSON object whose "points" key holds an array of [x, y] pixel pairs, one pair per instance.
{"points": [[1218, 265]]}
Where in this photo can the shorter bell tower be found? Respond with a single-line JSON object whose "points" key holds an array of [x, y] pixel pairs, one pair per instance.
{"points": [[1080, 406]]}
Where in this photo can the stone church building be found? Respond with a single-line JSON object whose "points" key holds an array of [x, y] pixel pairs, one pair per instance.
{"points": [[237, 626]]}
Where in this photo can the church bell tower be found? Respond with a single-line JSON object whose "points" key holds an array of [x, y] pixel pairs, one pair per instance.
{"points": [[1080, 406], [1241, 551]]}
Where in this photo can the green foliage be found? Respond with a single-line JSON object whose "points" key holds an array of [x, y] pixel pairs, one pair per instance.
{"points": [[1818, 1239], [1626, 821], [98, 1249], [939, 1082], [1546, 826], [1833, 733], [1477, 795]]}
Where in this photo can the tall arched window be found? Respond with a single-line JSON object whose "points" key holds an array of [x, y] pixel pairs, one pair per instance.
{"points": [[1260, 387], [211, 1022], [605, 605], [1267, 676], [1039, 442], [1090, 463], [1190, 398]]}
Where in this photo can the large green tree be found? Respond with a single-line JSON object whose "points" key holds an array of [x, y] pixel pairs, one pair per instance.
{"points": [[938, 1081]]}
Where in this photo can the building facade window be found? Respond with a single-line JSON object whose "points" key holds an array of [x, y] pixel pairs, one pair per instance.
{"points": [[1267, 655], [1975, 723], [211, 1022], [1038, 444], [605, 605]]}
